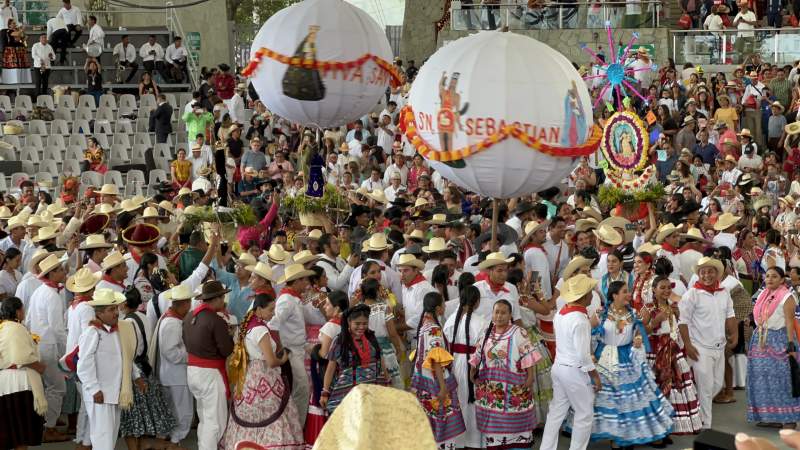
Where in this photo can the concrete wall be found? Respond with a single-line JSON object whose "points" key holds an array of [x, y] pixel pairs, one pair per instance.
{"points": [[209, 19]]}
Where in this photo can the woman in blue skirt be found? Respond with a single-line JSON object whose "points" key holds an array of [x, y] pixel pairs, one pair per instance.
{"points": [[769, 383]]}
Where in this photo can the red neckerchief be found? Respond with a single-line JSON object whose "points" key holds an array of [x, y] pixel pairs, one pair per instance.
{"points": [[539, 246], [573, 308], [418, 279], [481, 276], [363, 351], [336, 320], [113, 281], [56, 286], [255, 322], [100, 326], [290, 291], [666, 246], [80, 298], [171, 313], [710, 289], [496, 288], [136, 256], [201, 308], [269, 291]]}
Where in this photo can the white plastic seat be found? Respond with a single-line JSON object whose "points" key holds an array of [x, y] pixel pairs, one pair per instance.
{"points": [[119, 154], [121, 139], [157, 176], [92, 178], [113, 177], [123, 126], [108, 101], [147, 101], [77, 139], [5, 103], [17, 178], [137, 153], [171, 99], [81, 126], [66, 101], [162, 151], [74, 152], [70, 167], [142, 138], [84, 113], [63, 113], [59, 126], [8, 154], [23, 102], [29, 154], [45, 101], [34, 140], [127, 101], [104, 113], [13, 139], [37, 126], [87, 101], [144, 112], [52, 153], [56, 140], [50, 166], [102, 139]]}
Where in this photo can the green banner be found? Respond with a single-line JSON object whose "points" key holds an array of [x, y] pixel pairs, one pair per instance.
{"points": [[192, 40]]}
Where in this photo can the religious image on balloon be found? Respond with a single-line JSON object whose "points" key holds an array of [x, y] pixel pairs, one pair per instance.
{"points": [[449, 115], [625, 141], [305, 83]]}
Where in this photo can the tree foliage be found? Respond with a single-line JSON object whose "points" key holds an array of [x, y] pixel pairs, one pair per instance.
{"points": [[249, 12]]}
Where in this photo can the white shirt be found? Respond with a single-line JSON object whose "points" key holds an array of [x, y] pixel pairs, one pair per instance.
{"points": [[96, 35], [390, 279], [573, 333], [46, 316], [557, 256], [171, 352], [725, 240], [370, 185], [705, 314], [8, 12], [674, 258], [55, 24], [8, 283], [78, 319], [750, 16], [386, 138], [70, 16], [536, 260], [689, 258], [126, 54], [144, 52], [714, 23], [391, 193], [203, 159], [752, 161], [337, 272], [252, 340], [42, 55], [289, 320], [643, 74], [173, 54], [100, 364], [7, 243], [236, 108], [403, 171], [489, 298], [193, 282], [412, 304], [26, 287]]}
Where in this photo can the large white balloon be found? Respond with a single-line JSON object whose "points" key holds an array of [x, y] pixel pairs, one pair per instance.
{"points": [[476, 85], [323, 30]]}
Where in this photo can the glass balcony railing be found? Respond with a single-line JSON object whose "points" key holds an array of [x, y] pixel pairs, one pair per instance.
{"points": [[775, 45], [468, 15]]}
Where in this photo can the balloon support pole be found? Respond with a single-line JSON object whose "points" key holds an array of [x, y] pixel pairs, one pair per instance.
{"points": [[495, 214]]}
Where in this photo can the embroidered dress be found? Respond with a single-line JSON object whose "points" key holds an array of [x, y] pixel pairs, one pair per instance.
{"points": [[769, 383], [542, 383], [264, 412], [643, 290], [504, 408], [380, 313], [349, 375], [630, 408], [674, 375], [446, 420]]}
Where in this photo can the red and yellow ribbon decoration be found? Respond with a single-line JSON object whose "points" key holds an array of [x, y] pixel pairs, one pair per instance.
{"points": [[619, 181], [409, 126], [396, 79]]}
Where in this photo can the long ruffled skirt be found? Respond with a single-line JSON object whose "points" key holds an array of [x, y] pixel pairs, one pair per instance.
{"points": [[542, 384], [150, 415], [675, 379], [769, 382]]}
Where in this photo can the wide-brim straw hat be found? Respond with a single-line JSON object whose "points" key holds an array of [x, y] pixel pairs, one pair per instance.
{"points": [[141, 235], [315, 234], [5, 213], [112, 260], [184, 191], [436, 244], [83, 280], [106, 297], [792, 128], [95, 223], [105, 208], [592, 213], [41, 254], [57, 207], [494, 259], [294, 272], [304, 257], [621, 223], [377, 242], [277, 255], [437, 219], [358, 422], [45, 233], [533, 226], [761, 202], [13, 127], [664, 232], [15, 222], [109, 189], [421, 202], [725, 221], [586, 224], [608, 235], [744, 133], [416, 235], [151, 213], [694, 234], [708, 261], [378, 195], [129, 205], [410, 260], [247, 259], [48, 264], [95, 241], [577, 262], [575, 288], [261, 269], [36, 221], [649, 248], [179, 292]]}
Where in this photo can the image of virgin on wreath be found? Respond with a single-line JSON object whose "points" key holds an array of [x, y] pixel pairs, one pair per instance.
{"points": [[574, 129], [302, 83], [449, 115], [623, 144]]}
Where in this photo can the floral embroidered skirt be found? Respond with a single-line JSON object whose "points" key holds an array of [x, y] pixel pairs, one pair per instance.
{"points": [[390, 360], [150, 414], [446, 420], [504, 410], [769, 382], [347, 378], [675, 379]]}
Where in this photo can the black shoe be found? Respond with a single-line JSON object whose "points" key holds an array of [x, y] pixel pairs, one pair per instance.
{"points": [[659, 444]]}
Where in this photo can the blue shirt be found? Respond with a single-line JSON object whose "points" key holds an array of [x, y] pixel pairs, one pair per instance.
{"points": [[708, 152], [240, 298]]}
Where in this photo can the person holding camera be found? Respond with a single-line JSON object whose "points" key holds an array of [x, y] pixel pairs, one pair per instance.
{"points": [[152, 54]]}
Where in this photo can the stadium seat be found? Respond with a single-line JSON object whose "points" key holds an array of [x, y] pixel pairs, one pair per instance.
{"points": [[102, 139], [29, 154], [63, 113], [46, 101], [52, 153], [118, 155], [172, 100], [157, 176], [16, 178], [113, 177], [103, 127], [13, 140], [142, 138], [127, 101], [147, 101], [104, 113], [121, 139], [5, 103], [37, 127], [92, 178], [142, 125], [8, 154], [84, 113], [71, 167], [23, 102], [108, 101], [74, 152], [163, 151], [137, 153], [34, 140], [60, 126], [144, 112], [77, 139], [50, 166], [87, 101], [28, 167], [45, 179], [66, 101], [81, 126], [56, 140]]}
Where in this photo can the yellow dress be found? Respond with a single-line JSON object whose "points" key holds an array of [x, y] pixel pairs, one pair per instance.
{"points": [[183, 169]]}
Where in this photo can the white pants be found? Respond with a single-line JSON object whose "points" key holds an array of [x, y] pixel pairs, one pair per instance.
{"points": [[103, 423], [208, 389], [572, 387], [182, 409], [709, 377], [739, 364], [82, 430], [55, 385], [300, 391]]}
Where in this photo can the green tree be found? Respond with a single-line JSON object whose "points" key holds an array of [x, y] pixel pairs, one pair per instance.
{"points": [[249, 12]]}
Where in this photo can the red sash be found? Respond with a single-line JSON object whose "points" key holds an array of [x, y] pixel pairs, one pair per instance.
{"points": [[218, 364], [462, 348]]}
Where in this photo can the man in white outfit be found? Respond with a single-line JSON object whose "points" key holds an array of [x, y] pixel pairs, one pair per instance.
{"points": [[573, 371], [46, 318], [707, 323], [336, 270]]}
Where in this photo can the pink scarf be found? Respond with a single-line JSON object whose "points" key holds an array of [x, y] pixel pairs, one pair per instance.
{"points": [[768, 302]]}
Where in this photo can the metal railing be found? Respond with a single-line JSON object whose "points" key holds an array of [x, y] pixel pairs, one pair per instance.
{"points": [[192, 65], [554, 15], [776, 45]]}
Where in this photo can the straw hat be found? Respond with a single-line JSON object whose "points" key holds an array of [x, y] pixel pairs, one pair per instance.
{"points": [[212, 289], [436, 244], [378, 195], [277, 255], [107, 297], [247, 259], [109, 189], [167, 206], [789, 200], [261, 269], [620, 223], [577, 287], [94, 241], [416, 235], [251, 171], [665, 230], [36, 221], [357, 423], [649, 248], [112, 260], [694, 234], [13, 127], [83, 280], [45, 233], [585, 224], [421, 202], [578, 262], [792, 128], [533, 226], [777, 104], [708, 261], [726, 221], [608, 235], [315, 234], [494, 259], [15, 222], [49, 263], [343, 147], [755, 191], [761, 202], [141, 235], [39, 255], [57, 207], [377, 242], [5, 213], [179, 292], [304, 257], [128, 205], [437, 219], [592, 213], [184, 191], [294, 272], [744, 133], [150, 213], [407, 259], [105, 208]]}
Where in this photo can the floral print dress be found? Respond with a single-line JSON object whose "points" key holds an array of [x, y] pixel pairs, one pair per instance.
{"points": [[504, 408]]}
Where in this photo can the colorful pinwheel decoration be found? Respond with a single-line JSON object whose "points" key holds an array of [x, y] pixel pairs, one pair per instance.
{"points": [[617, 72]]}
